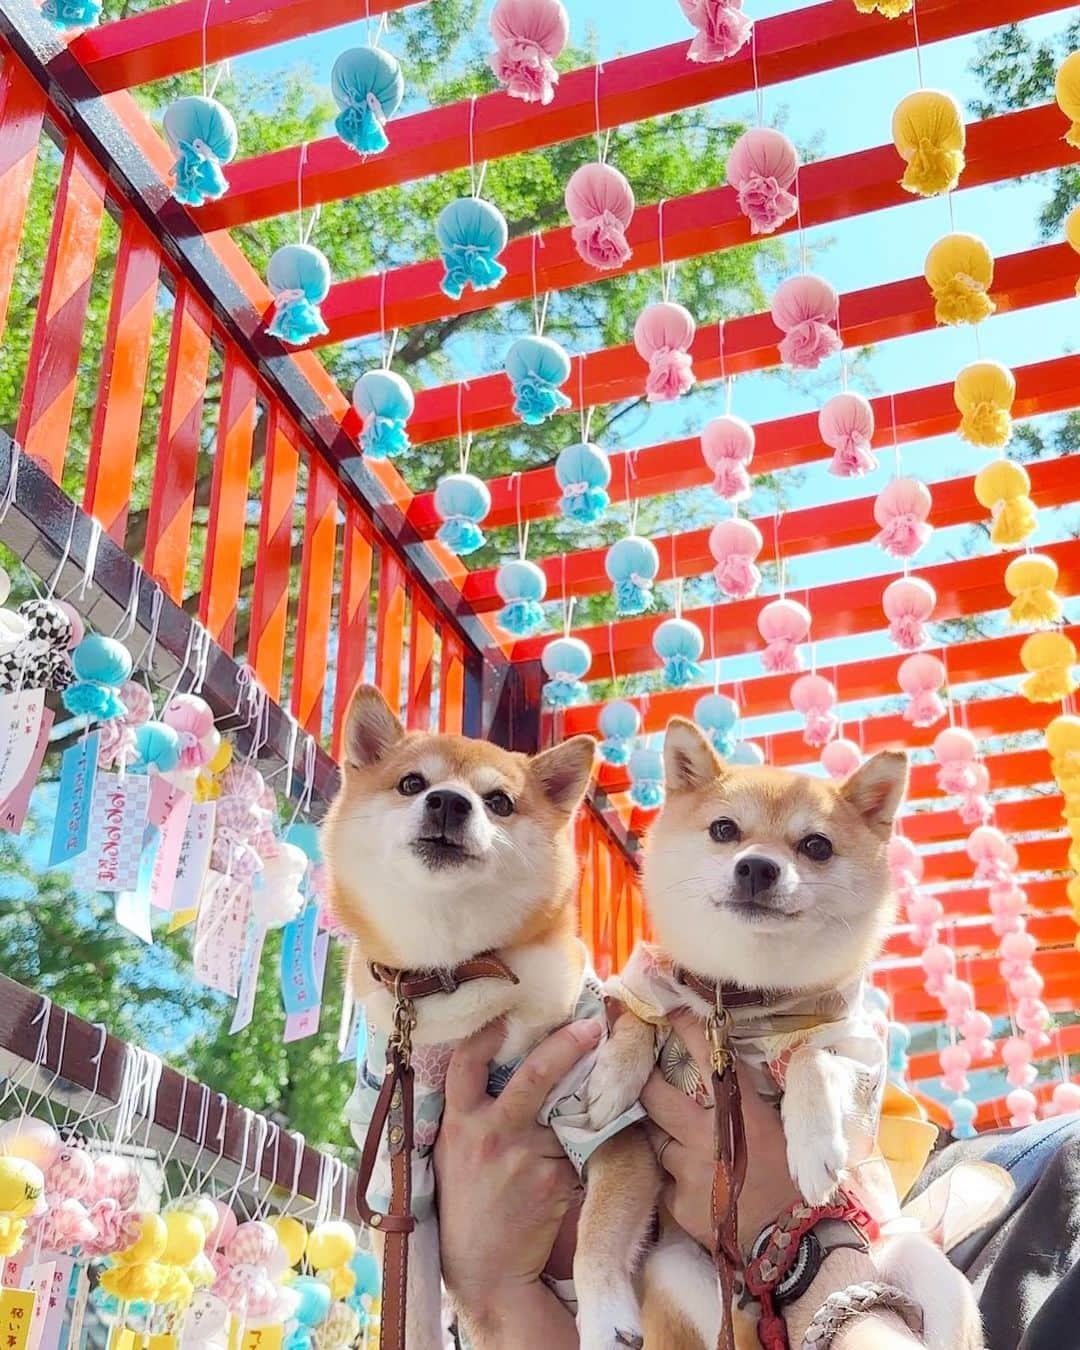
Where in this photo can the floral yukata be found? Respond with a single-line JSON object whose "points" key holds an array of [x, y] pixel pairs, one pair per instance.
{"points": [[564, 1110], [888, 1137]]}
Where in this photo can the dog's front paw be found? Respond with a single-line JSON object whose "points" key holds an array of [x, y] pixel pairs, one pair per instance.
{"points": [[601, 1330], [815, 1163], [610, 1090]]}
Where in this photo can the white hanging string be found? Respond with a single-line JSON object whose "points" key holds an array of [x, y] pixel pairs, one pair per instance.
{"points": [[712, 649], [667, 274], [64, 556], [391, 343], [476, 180], [464, 440], [91, 558], [10, 487], [310, 759], [759, 97], [522, 526], [918, 43], [586, 414], [126, 625], [633, 504], [779, 560], [203, 40], [567, 601], [540, 308], [603, 140]]}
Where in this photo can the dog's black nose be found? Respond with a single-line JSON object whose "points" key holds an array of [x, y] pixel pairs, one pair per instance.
{"points": [[447, 811], [755, 875]]}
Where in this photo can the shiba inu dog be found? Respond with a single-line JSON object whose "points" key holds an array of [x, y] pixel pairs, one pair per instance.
{"points": [[442, 849], [777, 882]]}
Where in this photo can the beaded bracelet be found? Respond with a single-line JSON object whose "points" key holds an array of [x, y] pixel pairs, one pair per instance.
{"points": [[845, 1305]]}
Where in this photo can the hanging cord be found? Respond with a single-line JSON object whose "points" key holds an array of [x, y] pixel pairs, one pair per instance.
{"points": [[586, 414], [567, 602], [11, 486], [54, 580], [464, 439], [616, 684], [126, 625], [712, 649], [476, 181], [304, 235], [776, 549], [895, 432], [522, 525], [632, 502], [304, 801], [540, 308], [918, 43], [391, 343], [603, 139], [667, 271], [759, 97]]}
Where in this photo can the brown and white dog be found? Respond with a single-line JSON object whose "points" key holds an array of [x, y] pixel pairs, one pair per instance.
{"points": [[441, 848], [776, 881]]}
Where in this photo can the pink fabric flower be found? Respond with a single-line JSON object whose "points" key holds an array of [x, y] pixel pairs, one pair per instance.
{"points": [[840, 758], [804, 308], [600, 203], [727, 446], [601, 241], [908, 603], [671, 374], [114, 1227], [815, 698], [921, 677], [853, 459], [846, 424], [783, 624], [737, 577], [66, 1225], [765, 203], [734, 545], [901, 509], [805, 346], [529, 35], [723, 29]]}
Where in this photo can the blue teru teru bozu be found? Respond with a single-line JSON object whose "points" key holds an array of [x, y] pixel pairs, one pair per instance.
{"points": [[522, 587], [471, 234], [72, 13], [647, 778], [461, 503], [537, 367], [566, 662], [679, 644], [747, 753], [620, 722], [717, 715], [583, 471], [299, 278], [385, 402], [368, 87], [632, 564], [202, 135]]}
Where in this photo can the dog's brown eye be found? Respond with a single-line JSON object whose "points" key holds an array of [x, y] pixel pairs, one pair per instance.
{"points": [[411, 784], [816, 847], [499, 804], [724, 831]]}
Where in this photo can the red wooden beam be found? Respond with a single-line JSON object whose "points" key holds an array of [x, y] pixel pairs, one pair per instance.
{"points": [[811, 530], [786, 442], [170, 39], [273, 562], [353, 613], [22, 114], [316, 599], [998, 149], [1018, 817], [1036, 277], [1044, 897], [647, 84], [1049, 930], [969, 586], [985, 717], [983, 659]]}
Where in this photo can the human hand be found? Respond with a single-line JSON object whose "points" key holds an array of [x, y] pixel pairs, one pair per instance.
{"points": [[504, 1182], [682, 1136]]}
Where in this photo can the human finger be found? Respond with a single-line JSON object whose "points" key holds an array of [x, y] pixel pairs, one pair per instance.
{"points": [[669, 1107], [544, 1066], [467, 1074], [670, 1154]]}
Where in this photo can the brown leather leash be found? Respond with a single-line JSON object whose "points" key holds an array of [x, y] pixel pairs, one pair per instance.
{"points": [[393, 1114]]}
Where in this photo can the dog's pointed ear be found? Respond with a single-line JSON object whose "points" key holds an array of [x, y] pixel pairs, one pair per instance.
{"points": [[690, 762], [877, 788], [562, 773], [371, 728]]}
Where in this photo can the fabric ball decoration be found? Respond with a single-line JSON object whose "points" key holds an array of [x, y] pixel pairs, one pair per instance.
{"points": [[67, 14], [840, 759], [385, 402], [899, 1041], [192, 718], [536, 367], [22, 1189], [762, 168], [1003, 487], [566, 662], [1067, 93], [368, 87], [202, 134], [292, 1234], [100, 665], [679, 645], [735, 545], [471, 234], [929, 135], [647, 778], [783, 624], [1049, 659], [922, 677], [1072, 234], [461, 503], [960, 271], [632, 564], [1031, 580], [722, 28], [34, 646], [600, 204], [846, 425], [157, 749], [727, 447], [748, 754], [299, 279], [620, 722], [717, 715], [1022, 1107], [962, 1113], [888, 9], [529, 37], [901, 509], [908, 603], [663, 335], [521, 586], [815, 698], [1064, 1100], [805, 308], [32, 1139], [583, 471], [983, 393], [280, 896]]}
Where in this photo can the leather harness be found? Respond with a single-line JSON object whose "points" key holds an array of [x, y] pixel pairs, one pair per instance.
{"points": [[393, 1114]]}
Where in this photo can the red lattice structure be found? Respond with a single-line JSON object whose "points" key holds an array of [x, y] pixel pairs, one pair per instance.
{"points": [[377, 595]]}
